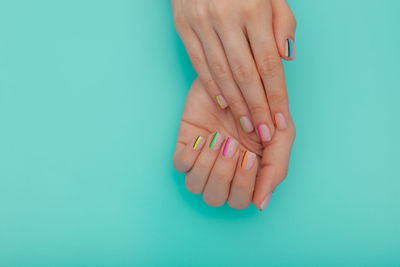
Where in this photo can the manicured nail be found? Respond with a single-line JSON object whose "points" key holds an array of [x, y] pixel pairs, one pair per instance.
{"points": [[264, 204], [246, 124], [264, 133], [248, 160], [280, 121], [198, 143], [230, 147], [221, 101], [290, 49], [216, 141]]}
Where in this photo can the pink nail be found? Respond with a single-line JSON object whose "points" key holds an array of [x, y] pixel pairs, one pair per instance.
{"points": [[264, 204], [246, 124], [280, 121], [263, 132], [230, 147], [248, 160], [290, 49], [221, 101]]}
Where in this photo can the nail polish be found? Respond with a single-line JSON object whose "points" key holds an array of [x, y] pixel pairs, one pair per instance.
{"points": [[248, 160], [264, 204], [230, 147], [216, 141], [290, 49], [221, 101], [280, 121], [198, 143], [263, 132], [246, 124]]}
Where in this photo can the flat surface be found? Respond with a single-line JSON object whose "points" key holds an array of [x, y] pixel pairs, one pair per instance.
{"points": [[91, 94]]}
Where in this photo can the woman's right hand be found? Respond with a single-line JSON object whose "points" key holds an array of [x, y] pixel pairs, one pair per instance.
{"points": [[236, 48]]}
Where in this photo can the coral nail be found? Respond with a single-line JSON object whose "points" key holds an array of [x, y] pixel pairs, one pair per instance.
{"points": [[248, 160], [280, 121]]}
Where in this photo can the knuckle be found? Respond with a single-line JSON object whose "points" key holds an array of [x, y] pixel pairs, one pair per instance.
{"points": [[197, 61], [250, 7], [258, 110], [178, 21], [244, 73], [238, 205], [220, 177], [237, 105], [192, 184], [199, 14], [220, 71], [212, 201], [219, 9], [179, 164], [244, 188], [278, 98], [269, 65], [294, 21], [210, 84]]}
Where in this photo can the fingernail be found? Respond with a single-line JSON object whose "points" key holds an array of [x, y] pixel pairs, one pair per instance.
{"points": [[230, 147], [248, 160], [280, 121], [290, 49], [264, 133], [198, 143], [216, 141], [264, 204], [246, 124], [221, 101]]}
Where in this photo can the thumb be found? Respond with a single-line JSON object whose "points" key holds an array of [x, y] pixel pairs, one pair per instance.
{"points": [[274, 165], [284, 24]]}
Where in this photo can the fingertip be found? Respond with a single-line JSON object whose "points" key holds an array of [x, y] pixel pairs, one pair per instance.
{"points": [[186, 155]]}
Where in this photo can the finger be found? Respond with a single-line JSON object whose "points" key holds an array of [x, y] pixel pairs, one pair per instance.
{"points": [[186, 154], [245, 73], [197, 57], [197, 177], [270, 68], [274, 166], [217, 188], [221, 73], [284, 25], [242, 187]]}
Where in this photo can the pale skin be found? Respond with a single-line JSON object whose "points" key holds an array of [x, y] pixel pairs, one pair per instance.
{"points": [[220, 178], [236, 48]]}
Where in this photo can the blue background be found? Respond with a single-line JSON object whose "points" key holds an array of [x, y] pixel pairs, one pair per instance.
{"points": [[91, 94]]}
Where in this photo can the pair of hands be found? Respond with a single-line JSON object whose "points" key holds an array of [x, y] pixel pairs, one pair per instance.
{"points": [[236, 48]]}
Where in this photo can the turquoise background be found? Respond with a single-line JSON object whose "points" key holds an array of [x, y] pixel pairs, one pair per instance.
{"points": [[91, 94]]}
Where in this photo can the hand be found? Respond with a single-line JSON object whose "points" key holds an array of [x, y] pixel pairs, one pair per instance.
{"points": [[235, 47], [221, 170]]}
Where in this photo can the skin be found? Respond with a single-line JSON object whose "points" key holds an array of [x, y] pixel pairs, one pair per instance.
{"points": [[236, 48], [218, 178]]}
